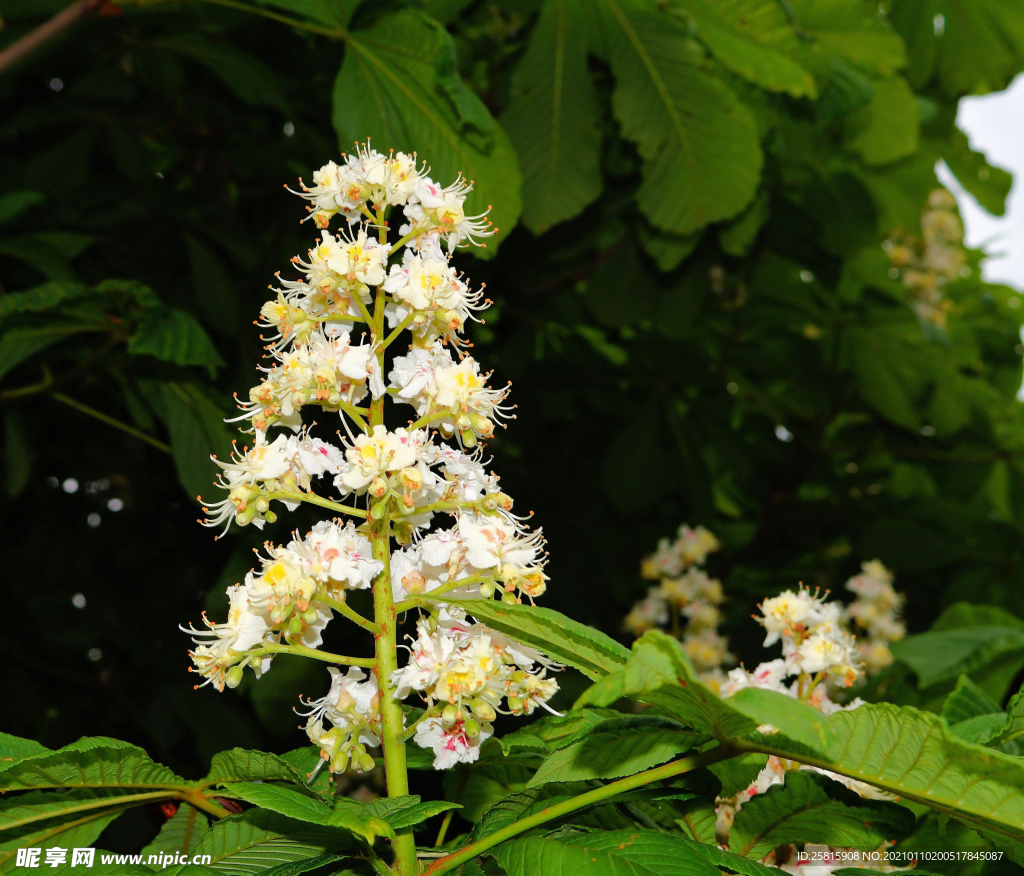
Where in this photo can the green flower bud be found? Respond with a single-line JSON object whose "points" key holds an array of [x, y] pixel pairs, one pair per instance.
{"points": [[378, 511], [471, 728], [449, 715], [295, 626], [483, 709], [509, 599], [339, 763], [310, 615], [366, 762], [270, 517], [487, 590], [233, 677]]}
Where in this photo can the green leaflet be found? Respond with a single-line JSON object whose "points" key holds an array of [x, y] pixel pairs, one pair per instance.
{"points": [[91, 762], [15, 203], [294, 868], [196, 428], [239, 765], [979, 48], [560, 637], [346, 814], [622, 852], [755, 39], [182, 832], [399, 86], [252, 842], [887, 128], [813, 808], [725, 860], [989, 184], [913, 754], [702, 159], [408, 811], [658, 672], [614, 748], [16, 747], [18, 345], [81, 831], [943, 654], [552, 117], [967, 701], [175, 336]]}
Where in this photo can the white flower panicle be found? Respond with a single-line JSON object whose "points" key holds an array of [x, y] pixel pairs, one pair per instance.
{"points": [[816, 649], [926, 264], [686, 600], [814, 642], [466, 670], [875, 614], [328, 337]]}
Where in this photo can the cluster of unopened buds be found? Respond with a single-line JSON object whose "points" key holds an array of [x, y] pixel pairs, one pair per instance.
{"points": [[329, 331], [817, 650], [686, 600], [928, 263]]}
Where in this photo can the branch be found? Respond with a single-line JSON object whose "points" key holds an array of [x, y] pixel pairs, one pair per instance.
{"points": [[111, 421], [303, 651], [46, 32], [342, 607], [598, 795], [314, 499]]}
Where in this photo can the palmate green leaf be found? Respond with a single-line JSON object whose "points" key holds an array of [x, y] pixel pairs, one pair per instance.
{"points": [[553, 115], [257, 840], [561, 638], [813, 808], [346, 814], [181, 833], [753, 38], [702, 158], [989, 184], [175, 336], [938, 655], [914, 755], [621, 852], [399, 86], [614, 748], [240, 765], [91, 762], [979, 49]]}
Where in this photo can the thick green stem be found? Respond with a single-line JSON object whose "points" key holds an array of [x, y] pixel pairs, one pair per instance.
{"points": [[392, 717], [566, 807]]}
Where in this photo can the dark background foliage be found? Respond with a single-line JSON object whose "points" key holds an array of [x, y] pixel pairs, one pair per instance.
{"points": [[725, 348]]}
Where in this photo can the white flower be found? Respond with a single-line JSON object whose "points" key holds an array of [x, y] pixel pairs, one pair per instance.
{"points": [[221, 646], [373, 456], [452, 745], [434, 208], [337, 553], [648, 614], [496, 542], [428, 655], [785, 612]]}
